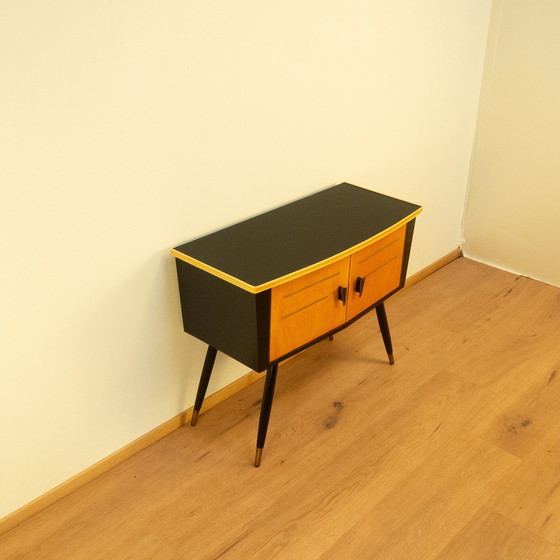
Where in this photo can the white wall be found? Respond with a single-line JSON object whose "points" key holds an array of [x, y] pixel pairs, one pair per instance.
{"points": [[129, 127], [512, 214]]}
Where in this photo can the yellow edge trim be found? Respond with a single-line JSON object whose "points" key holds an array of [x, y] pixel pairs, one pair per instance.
{"points": [[292, 275]]}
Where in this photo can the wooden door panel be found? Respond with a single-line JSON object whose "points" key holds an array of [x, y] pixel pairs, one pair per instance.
{"points": [[307, 307], [378, 268]]}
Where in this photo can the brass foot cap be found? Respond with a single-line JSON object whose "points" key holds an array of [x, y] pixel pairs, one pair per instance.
{"points": [[258, 457], [194, 417], [391, 359]]}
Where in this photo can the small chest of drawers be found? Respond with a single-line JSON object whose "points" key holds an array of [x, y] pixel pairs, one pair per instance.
{"points": [[266, 288]]}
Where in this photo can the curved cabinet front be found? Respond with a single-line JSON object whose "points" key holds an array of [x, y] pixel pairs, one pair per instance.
{"points": [[310, 306]]}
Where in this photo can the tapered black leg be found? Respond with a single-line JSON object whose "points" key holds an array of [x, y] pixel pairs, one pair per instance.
{"points": [[203, 383], [384, 326], [266, 406]]}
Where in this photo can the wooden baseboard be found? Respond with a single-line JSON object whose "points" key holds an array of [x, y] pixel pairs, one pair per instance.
{"points": [[49, 498], [430, 269], [52, 496]]}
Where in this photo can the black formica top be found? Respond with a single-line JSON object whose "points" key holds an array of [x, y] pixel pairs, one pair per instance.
{"points": [[298, 235]]}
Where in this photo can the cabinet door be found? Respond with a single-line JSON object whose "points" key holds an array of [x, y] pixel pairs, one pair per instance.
{"points": [[375, 271], [307, 307]]}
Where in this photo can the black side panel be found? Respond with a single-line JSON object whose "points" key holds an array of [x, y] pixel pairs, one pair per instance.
{"points": [[263, 330], [407, 246], [224, 316]]}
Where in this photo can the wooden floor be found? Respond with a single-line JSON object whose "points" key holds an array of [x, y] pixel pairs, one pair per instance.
{"points": [[453, 453]]}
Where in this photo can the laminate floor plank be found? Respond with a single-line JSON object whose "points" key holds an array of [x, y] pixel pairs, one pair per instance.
{"points": [[451, 453], [420, 516], [491, 536], [531, 496]]}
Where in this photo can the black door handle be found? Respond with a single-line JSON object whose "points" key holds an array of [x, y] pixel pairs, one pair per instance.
{"points": [[342, 294], [360, 283]]}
